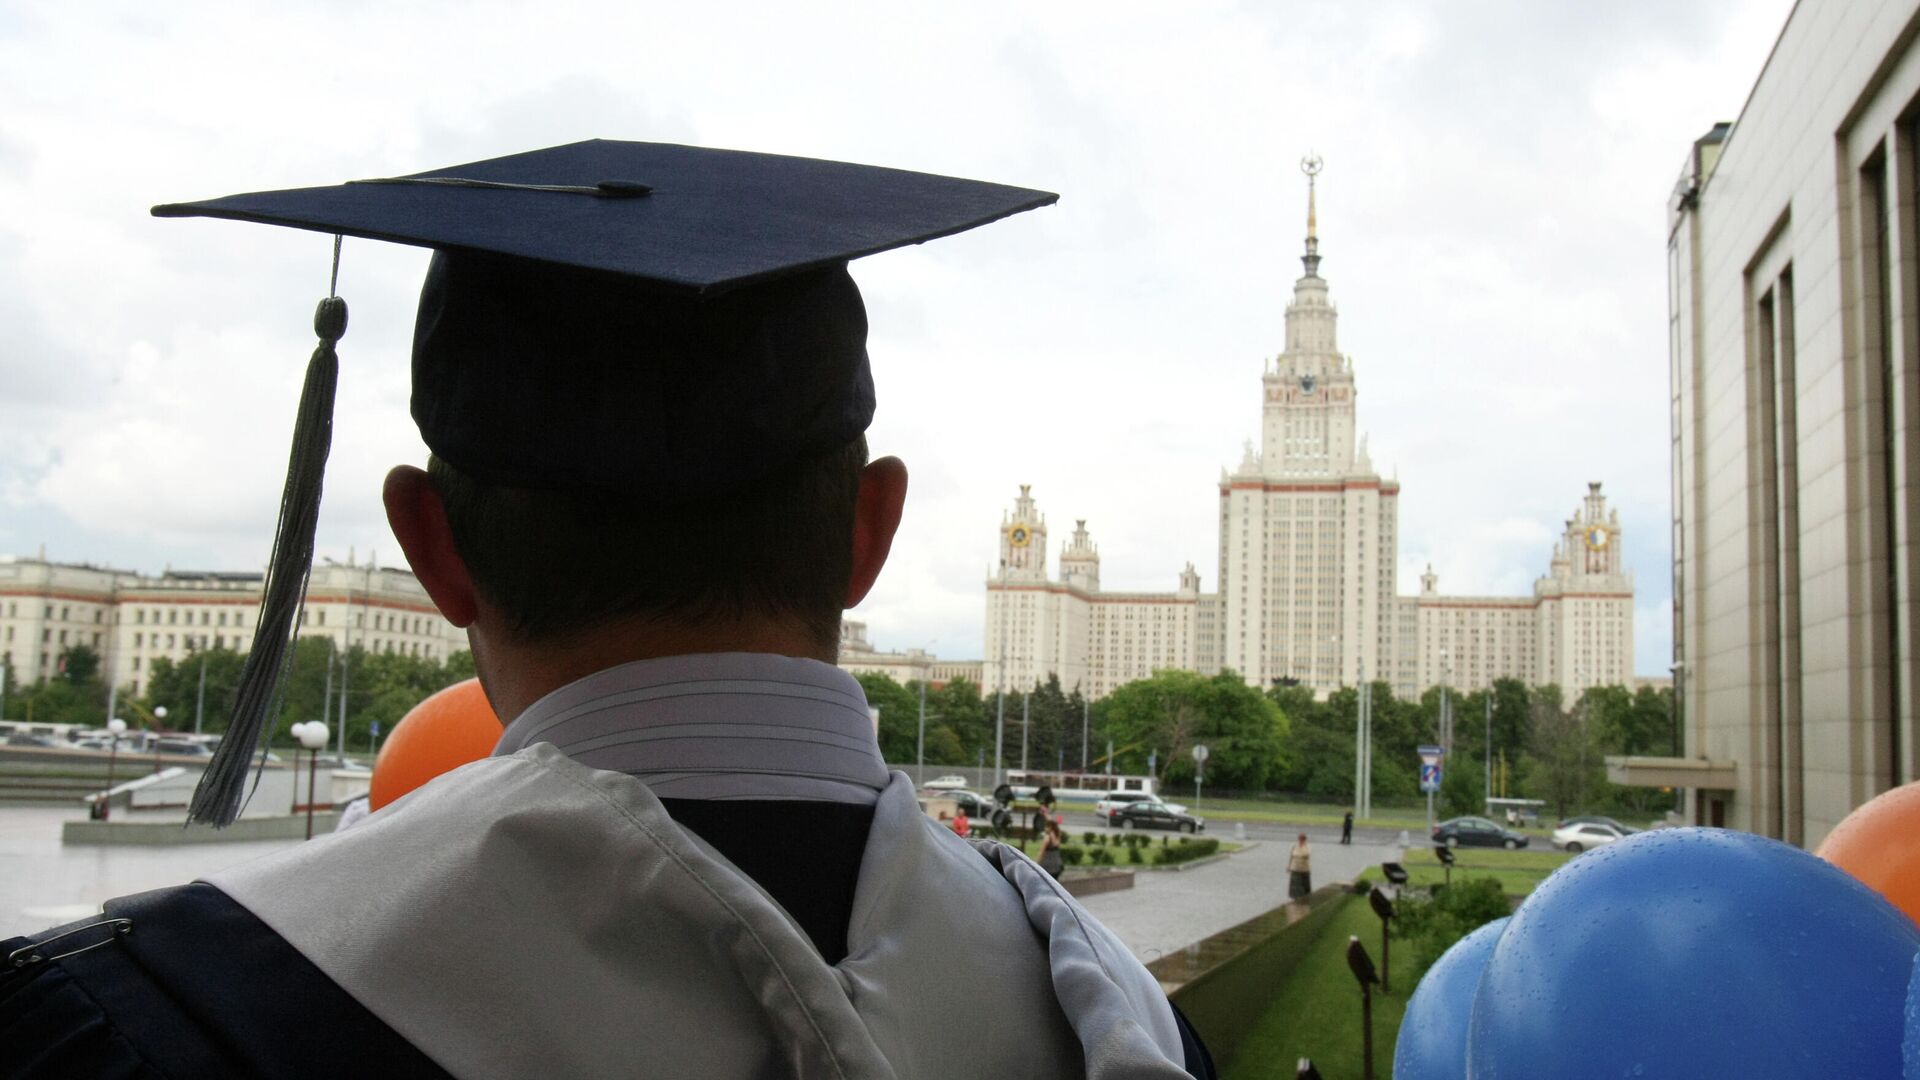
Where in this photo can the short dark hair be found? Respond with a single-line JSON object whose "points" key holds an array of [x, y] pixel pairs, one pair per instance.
{"points": [[561, 563]]}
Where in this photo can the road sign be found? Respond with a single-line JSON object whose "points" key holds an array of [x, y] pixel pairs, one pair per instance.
{"points": [[1429, 778], [1200, 752], [1431, 755], [376, 729]]}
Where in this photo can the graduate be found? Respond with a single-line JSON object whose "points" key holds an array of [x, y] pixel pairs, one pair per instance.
{"points": [[641, 371]]}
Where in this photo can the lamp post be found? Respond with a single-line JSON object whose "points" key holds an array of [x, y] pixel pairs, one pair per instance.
{"points": [[116, 727], [159, 714], [313, 736]]}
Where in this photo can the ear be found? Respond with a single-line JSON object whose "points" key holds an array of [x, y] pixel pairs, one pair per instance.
{"points": [[876, 516], [419, 522]]}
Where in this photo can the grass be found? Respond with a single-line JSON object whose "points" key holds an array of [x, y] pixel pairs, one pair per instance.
{"points": [[1317, 1012], [1517, 871]]}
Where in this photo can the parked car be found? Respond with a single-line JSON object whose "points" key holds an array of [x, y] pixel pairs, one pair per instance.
{"points": [[1596, 819], [182, 748], [946, 783], [1110, 805], [1577, 837], [1151, 813], [22, 738], [1476, 832], [975, 805]]}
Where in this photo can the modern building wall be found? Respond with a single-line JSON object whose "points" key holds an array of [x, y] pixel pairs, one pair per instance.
{"points": [[1796, 393]]}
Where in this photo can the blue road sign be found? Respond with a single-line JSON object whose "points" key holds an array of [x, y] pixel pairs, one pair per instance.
{"points": [[1429, 777]]}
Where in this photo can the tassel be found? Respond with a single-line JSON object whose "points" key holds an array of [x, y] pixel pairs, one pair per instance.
{"points": [[217, 801]]}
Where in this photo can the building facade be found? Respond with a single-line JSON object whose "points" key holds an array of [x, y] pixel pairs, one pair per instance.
{"points": [[1796, 431], [1309, 547], [130, 619]]}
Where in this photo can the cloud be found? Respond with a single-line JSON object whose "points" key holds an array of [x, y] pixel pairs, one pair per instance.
{"points": [[1491, 215]]}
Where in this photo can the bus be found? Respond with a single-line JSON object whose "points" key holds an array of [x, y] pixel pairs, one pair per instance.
{"points": [[1077, 785]]}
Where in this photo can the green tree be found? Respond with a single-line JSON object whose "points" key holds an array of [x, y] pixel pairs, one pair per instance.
{"points": [[1461, 787], [1566, 767], [899, 716], [1171, 712], [80, 665], [175, 686]]}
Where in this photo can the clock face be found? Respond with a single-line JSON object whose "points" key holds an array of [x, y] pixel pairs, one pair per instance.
{"points": [[1019, 536], [1597, 537]]}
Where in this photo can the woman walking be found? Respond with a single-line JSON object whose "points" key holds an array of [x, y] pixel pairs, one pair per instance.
{"points": [[1299, 870]]}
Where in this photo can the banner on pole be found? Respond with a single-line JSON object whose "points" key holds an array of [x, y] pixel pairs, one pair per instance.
{"points": [[1431, 758]]}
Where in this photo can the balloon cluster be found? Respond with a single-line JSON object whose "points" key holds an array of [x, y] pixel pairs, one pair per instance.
{"points": [[1692, 952], [442, 733]]}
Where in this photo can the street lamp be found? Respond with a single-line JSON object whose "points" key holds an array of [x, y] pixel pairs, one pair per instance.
{"points": [[159, 714], [116, 727], [313, 736]]}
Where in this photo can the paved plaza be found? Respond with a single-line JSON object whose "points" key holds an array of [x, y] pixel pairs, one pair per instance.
{"points": [[43, 883], [1168, 909]]}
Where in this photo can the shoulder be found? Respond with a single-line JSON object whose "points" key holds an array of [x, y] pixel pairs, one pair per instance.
{"points": [[183, 982]]}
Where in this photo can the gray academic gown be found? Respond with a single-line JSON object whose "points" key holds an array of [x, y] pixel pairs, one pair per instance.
{"points": [[531, 916]]}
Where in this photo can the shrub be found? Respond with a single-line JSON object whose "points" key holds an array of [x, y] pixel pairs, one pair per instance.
{"points": [[1101, 856], [1134, 856], [1072, 856], [1433, 924], [1089, 837]]}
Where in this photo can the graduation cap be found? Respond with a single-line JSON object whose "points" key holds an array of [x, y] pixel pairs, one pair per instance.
{"points": [[650, 321]]}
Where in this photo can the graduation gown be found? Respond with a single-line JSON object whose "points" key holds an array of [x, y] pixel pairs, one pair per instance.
{"points": [[527, 915]]}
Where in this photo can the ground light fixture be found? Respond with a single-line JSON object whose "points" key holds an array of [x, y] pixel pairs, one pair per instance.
{"points": [[1362, 967], [1383, 907]]}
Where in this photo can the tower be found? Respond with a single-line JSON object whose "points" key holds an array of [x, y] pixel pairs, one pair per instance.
{"points": [[1023, 540], [1309, 535]]}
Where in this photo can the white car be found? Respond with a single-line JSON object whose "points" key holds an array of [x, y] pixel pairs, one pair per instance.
{"points": [[1111, 804], [946, 783], [1576, 838]]}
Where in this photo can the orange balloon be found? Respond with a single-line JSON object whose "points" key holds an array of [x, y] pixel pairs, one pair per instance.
{"points": [[1879, 843], [442, 733]]}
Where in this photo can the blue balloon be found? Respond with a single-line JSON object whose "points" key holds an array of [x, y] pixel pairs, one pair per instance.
{"points": [[1695, 952], [1910, 1049], [1433, 1033]]}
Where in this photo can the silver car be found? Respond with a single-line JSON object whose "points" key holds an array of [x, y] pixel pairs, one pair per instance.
{"points": [[1578, 837]]}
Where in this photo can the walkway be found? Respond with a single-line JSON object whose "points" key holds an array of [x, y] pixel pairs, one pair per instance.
{"points": [[1167, 910]]}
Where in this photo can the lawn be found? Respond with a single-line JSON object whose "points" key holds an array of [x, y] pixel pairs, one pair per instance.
{"points": [[1517, 871], [1317, 1012]]}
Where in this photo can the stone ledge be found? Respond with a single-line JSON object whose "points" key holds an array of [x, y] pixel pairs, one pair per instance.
{"points": [[172, 833]]}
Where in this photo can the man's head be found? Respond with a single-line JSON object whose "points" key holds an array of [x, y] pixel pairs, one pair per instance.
{"points": [[551, 585]]}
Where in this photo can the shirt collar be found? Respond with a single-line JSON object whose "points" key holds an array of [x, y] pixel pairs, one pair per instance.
{"points": [[716, 726]]}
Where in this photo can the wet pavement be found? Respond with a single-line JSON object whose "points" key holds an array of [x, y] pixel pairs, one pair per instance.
{"points": [[1168, 910], [43, 883]]}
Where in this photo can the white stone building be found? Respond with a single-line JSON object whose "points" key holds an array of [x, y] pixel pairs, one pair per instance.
{"points": [[1308, 552], [131, 620]]}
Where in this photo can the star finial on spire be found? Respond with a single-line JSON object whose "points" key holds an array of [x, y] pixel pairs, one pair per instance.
{"points": [[1312, 165]]}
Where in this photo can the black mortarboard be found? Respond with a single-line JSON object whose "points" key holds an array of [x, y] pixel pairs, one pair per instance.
{"points": [[659, 322]]}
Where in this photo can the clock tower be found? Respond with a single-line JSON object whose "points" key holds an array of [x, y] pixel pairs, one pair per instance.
{"points": [[1023, 540]]}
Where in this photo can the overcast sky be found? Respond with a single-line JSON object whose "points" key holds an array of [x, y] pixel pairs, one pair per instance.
{"points": [[1492, 218]]}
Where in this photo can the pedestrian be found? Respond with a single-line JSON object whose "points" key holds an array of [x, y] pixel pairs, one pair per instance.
{"points": [[1299, 870], [642, 376], [1051, 860], [962, 826], [1346, 828]]}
